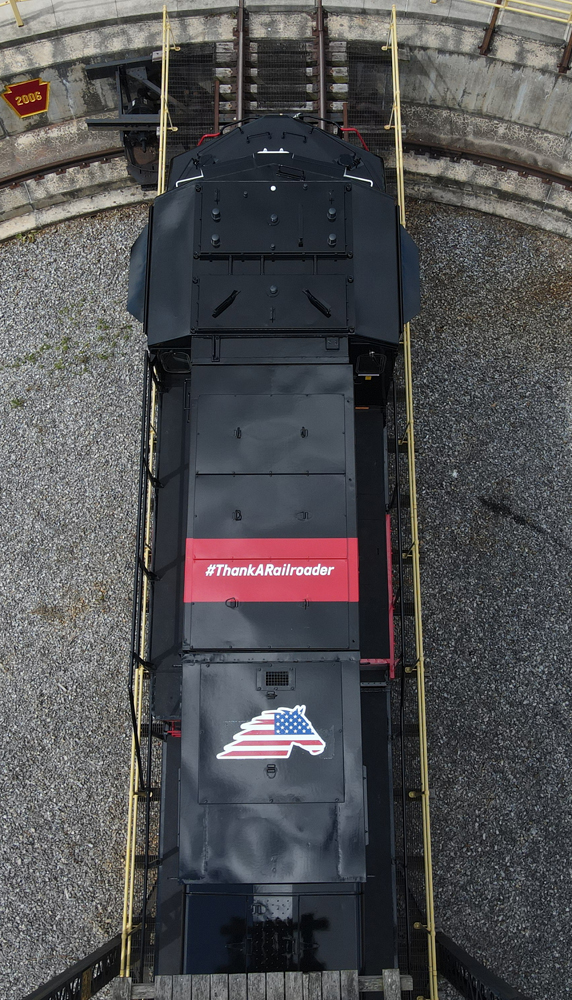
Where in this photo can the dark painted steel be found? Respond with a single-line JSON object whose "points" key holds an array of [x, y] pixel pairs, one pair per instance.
{"points": [[403, 679], [216, 108], [243, 822], [470, 978], [84, 979], [260, 268], [321, 47], [240, 33], [264, 931]]}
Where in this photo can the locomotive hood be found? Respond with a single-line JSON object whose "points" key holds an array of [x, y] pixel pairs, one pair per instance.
{"points": [[275, 226]]}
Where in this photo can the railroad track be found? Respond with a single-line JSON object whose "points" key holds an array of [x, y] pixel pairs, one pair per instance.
{"points": [[61, 166], [419, 148], [315, 76]]}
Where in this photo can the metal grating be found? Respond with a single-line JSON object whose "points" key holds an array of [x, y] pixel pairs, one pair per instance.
{"points": [[279, 76], [277, 678], [192, 90], [370, 101]]}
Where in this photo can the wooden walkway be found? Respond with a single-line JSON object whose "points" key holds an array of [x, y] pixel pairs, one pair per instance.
{"points": [[344, 985]]}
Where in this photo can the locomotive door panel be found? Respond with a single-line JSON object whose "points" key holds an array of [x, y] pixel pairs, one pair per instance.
{"points": [[271, 933], [271, 817], [255, 217], [253, 625], [273, 302], [270, 507], [271, 434], [329, 932], [288, 755], [216, 933]]}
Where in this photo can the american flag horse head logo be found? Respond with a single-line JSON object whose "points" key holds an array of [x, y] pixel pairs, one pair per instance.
{"points": [[273, 734]]}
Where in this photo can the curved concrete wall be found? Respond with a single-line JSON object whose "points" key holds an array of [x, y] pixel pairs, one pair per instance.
{"points": [[511, 104]]}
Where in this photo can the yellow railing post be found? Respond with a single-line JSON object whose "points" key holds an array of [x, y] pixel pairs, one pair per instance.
{"points": [[410, 437], [165, 123]]}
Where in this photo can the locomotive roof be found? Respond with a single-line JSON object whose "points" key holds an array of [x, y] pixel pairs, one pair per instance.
{"points": [[302, 143], [275, 227]]}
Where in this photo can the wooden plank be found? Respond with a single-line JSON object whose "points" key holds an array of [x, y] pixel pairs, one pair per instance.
{"points": [[330, 986], [349, 984], [142, 991], [256, 985], [314, 985], [275, 986], [121, 989], [406, 984], [370, 984], [182, 987], [219, 986], [163, 987], [391, 984], [201, 987], [237, 986], [293, 987]]}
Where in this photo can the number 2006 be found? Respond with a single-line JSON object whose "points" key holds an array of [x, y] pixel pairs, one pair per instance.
{"points": [[28, 98]]}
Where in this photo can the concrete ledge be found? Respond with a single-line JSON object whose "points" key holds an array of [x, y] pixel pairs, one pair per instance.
{"points": [[485, 189], [32, 209]]}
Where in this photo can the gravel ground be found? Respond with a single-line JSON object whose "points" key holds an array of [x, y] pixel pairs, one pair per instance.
{"points": [[493, 361], [493, 381], [69, 437]]}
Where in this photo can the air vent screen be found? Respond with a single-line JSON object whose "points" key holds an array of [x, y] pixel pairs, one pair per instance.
{"points": [[277, 678]]}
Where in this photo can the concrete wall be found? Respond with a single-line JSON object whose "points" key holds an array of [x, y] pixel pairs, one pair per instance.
{"points": [[511, 103]]}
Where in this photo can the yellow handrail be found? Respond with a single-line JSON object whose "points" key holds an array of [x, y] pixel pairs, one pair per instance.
{"points": [[395, 123], [165, 123], [138, 698], [518, 7]]}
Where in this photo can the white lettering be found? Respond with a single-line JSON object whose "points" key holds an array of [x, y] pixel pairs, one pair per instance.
{"points": [[278, 570], [226, 571], [299, 570], [315, 571], [331, 569], [219, 566], [235, 571], [250, 570], [323, 570], [260, 570], [307, 570], [269, 569], [243, 571]]}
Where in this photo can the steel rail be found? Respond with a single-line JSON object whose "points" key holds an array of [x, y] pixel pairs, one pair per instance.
{"points": [[410, 438], [61, 166], [524, 170], [417, 146], [321, 45], [240, 60]]}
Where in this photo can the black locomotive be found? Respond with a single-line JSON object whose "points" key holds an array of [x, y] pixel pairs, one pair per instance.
{"points": [[273, 281]]}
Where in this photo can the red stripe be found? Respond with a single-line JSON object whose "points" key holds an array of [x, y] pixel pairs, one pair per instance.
{"points": [[281, 569], [225, 549], [279, 743], [256, 753]]}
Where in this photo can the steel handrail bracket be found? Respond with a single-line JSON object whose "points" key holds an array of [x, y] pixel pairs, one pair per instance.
{"points": [[395, 124]]}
